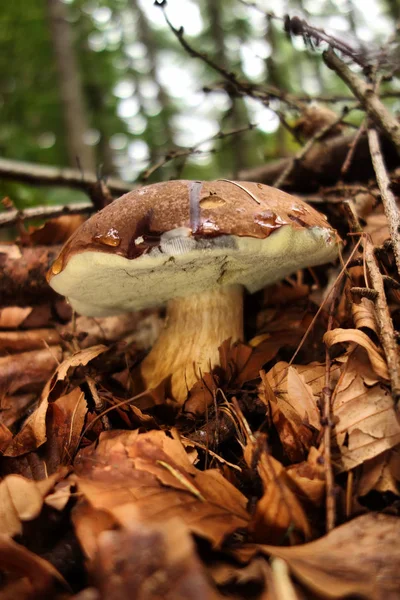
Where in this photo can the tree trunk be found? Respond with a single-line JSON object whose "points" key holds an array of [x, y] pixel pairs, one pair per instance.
{"points": [[75, 118], [146, 37]]}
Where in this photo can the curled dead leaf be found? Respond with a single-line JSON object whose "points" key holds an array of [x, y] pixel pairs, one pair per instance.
{"points": [[278, 512], [354, 336]]}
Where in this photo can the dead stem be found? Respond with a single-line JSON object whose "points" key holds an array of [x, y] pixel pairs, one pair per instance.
{"points": [[330, 506], [367, 96], [319, 135], [388, 199], [387, 333]]}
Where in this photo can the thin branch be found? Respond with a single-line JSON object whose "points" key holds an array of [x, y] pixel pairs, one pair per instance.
{"points": [[388, 198], [46, 175], [183, 152], [387, 333], [367, 97], [242, 87], [319, 135], [11, 217], [352, 149]]}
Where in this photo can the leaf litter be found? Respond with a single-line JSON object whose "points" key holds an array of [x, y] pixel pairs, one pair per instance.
{"points": [[120, 496]]}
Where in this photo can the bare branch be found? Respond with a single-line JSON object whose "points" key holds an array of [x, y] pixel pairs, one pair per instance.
{"points": [[386, 330], [183, 152], [388, 198], [242, 88], [45, 175], [367, 97], [11, 217], [319, 135]]}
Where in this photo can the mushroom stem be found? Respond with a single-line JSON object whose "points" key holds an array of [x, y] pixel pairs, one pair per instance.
{"points": [[195, 327]]}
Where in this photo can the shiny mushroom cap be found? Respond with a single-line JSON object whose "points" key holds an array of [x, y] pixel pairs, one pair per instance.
{"points": [[179, 238]]}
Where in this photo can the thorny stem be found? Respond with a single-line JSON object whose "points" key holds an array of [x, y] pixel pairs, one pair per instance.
{"points": [[387, 333], [388, 199]]}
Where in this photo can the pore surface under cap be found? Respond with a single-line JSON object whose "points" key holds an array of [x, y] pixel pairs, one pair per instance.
{"points": [[100, 283]]}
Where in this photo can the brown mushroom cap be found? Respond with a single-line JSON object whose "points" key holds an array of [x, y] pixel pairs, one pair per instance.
{"points": [[177, 238]]}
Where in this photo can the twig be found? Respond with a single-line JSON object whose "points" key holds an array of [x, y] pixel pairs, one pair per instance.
{"points": [[47, 175], [307, 147], [352, 149], [295, 99], [389, 201], [11, 217], [322, 166], [244, 88], [387, 333], [181, 152], [367, 97], [330, 506]]}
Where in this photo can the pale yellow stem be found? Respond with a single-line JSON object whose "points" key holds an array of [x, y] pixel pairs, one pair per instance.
{"points": [[188, 346]]}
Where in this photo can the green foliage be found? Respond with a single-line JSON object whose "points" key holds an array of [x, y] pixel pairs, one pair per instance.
{"points": [[143, 93]]}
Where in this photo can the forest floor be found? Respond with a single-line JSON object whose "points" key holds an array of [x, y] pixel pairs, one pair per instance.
{"points": [[277, 479]]}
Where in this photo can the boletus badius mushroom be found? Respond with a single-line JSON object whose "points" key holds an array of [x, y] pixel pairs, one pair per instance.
{"points": [[193, 246]]}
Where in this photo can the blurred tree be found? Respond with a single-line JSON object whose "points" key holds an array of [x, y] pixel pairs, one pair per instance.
{"points": [[72, 99], [131, 93]]}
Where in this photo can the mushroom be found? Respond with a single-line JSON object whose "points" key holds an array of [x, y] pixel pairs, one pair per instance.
{"points": [[193, 246]]}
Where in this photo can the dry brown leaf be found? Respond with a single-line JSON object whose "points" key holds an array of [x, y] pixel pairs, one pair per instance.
{"points": [[360, 558], [22, 500], [78, 359], [366, 420], [309, 478], [295, 436], [12, 317], [364, 314], [64, 424], [278, 512], [28, 368], [33, 433], [55, 231], [36, 575], [152, 471], [149, 561], [297, 390], [354, 336], [381, 473]]}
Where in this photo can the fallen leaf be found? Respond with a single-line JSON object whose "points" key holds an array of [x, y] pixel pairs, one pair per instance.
{"points": [[381, 473], [28, 368], [278, 512], [295, 436], [354, 336], [309, 478], [359, 558], [12, 317], [40, 576], [22, 500], [81, 358], [366, 420], [64, 424], [364, 314], [153, 472], [33, 433], [149, 560]]}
